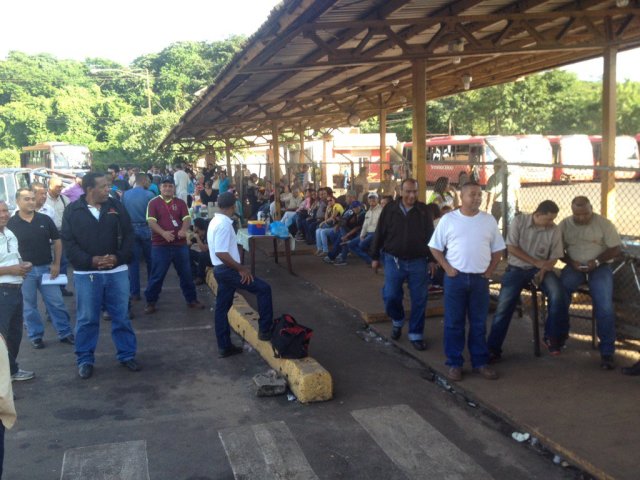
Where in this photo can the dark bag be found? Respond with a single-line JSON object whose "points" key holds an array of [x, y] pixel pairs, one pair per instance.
{"points": [[289, 339]]}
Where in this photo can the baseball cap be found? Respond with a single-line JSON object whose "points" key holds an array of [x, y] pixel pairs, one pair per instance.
{"points": [[168, 180], [355, 204], [372, 195]]}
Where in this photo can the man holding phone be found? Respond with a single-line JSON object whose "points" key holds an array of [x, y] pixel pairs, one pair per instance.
{"points": [[591, 242]]}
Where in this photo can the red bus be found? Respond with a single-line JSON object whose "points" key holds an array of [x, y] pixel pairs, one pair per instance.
{"points": [[480, 152]]}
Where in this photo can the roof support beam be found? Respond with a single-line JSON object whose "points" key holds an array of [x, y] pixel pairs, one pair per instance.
{"points": [[608, 184], [420, 127]]}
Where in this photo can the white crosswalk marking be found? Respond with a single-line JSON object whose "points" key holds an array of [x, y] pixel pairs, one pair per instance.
{"points": [[111, 461], [417, 448], [265, 451]]}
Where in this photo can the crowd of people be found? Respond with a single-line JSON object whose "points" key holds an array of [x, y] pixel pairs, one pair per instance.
{"points": [[107, 225]]}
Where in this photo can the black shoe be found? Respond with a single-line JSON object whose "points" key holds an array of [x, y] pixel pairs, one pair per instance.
{"points": [[632, 370], [69, 339], [607, 363], [37, 343], [66, 293], [264, 336], [132, 365], [396, 332], [419, 345], [85, 370], [227, 352], [494, 357]]}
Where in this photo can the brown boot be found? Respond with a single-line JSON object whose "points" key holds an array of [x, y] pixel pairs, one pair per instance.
{"points": [[487, 372], [454, 374]]}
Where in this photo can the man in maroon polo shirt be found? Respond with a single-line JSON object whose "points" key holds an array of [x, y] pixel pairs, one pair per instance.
{"points": [[168, 217]]}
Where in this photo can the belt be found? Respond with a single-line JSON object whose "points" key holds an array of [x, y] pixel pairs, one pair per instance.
{"points": [[139, 223], [10, 285]]}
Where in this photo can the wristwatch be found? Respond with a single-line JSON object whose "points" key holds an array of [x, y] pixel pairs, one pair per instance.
{"points": [[597, 262]]}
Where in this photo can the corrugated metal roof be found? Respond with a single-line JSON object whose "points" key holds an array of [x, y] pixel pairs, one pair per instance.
{"points": [[314, 62]]}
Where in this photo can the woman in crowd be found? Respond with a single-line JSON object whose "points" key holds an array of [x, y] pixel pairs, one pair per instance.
{"points": [[444, 193]]}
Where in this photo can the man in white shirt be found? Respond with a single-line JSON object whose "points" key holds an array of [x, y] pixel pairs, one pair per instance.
{"points": [[232, 275], [181, 179], [360, 245], [12, 272], [474, 248], [40, 192], [58, 203]]}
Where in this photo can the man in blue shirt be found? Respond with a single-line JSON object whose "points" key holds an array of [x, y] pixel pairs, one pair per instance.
{"points": [[135, 201]]}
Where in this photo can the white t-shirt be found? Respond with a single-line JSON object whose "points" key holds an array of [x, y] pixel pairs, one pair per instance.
{"points": [[182, 183], [222, 238], [469, 241]]}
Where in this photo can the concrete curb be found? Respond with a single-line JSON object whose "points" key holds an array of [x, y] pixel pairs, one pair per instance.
{"points": [[307, 379]]}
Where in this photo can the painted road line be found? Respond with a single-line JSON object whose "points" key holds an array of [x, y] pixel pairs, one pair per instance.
{"points": [[416, 447], [110, 461], [265, 451]]}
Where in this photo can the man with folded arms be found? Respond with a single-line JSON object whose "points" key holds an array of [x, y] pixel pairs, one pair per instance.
{"points": [[232, 275], [36, 232], [474, 247]]}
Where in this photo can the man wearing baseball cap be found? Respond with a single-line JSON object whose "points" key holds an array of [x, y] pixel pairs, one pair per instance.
{"points": [[360, 244], [169, 220], [350, 226], [232, 275]]}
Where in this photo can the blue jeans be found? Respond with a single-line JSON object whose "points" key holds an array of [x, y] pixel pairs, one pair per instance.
{"points": [[322, 238], [361, 247], [141, 248], [416, 274], [52, 297], [11, 323], [228, 282], [513, 281], [161, 258], [600, 283], [91, 291], [466, 295]]}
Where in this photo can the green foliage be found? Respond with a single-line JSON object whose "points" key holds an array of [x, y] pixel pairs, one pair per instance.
{"points": [[46, 99]]}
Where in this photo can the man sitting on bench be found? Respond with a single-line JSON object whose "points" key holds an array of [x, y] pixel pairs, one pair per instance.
{"points": [[534, 244]]}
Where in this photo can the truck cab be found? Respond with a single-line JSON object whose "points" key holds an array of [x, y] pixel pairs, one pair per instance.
{"points": [[11, 180]]}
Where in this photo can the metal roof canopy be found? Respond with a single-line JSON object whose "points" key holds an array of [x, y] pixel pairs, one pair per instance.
{"points": [[314, 63]]}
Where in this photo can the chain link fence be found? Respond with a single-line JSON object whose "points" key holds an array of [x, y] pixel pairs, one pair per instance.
{"points": [[527, 185]]}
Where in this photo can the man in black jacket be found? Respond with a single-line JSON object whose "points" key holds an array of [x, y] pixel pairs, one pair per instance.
{"points": [[404, 229], [98, 236]]}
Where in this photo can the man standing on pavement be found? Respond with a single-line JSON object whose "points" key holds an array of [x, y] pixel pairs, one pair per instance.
{"points": [[35, 233], [591, 242], [97, 233], [12, 272], [404, 229], [169, 220], [181, 179], [534, 244], [232, 275], [474, 247], [135, 201], [40, 193], [58, 202]]}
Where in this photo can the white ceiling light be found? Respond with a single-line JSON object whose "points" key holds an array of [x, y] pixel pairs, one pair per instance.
{"points": [[622, 3], [353, 120]]}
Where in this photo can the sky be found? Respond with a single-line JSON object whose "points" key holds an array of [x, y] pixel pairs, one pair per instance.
{"points": [[123, 30]]}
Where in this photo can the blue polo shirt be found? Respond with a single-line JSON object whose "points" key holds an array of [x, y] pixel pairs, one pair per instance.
{"points": [[136, 201]]}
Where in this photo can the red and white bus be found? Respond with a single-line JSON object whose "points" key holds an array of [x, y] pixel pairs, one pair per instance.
{"points": [[572, 150], [480, 151], [58, 156], [627, 156]]}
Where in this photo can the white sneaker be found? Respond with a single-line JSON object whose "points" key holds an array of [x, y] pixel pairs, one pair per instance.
{"points": [[22, 375]]}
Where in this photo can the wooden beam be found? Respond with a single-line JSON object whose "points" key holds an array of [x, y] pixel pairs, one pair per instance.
{"points": [[275, 149], [383, 139], [608, 184], [419, 127]]}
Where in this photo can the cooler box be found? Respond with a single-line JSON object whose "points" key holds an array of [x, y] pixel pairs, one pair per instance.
{"points": [[256, 227]]}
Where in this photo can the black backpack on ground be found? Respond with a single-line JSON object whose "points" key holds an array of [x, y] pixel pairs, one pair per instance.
{"points": [[290, 339]]}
